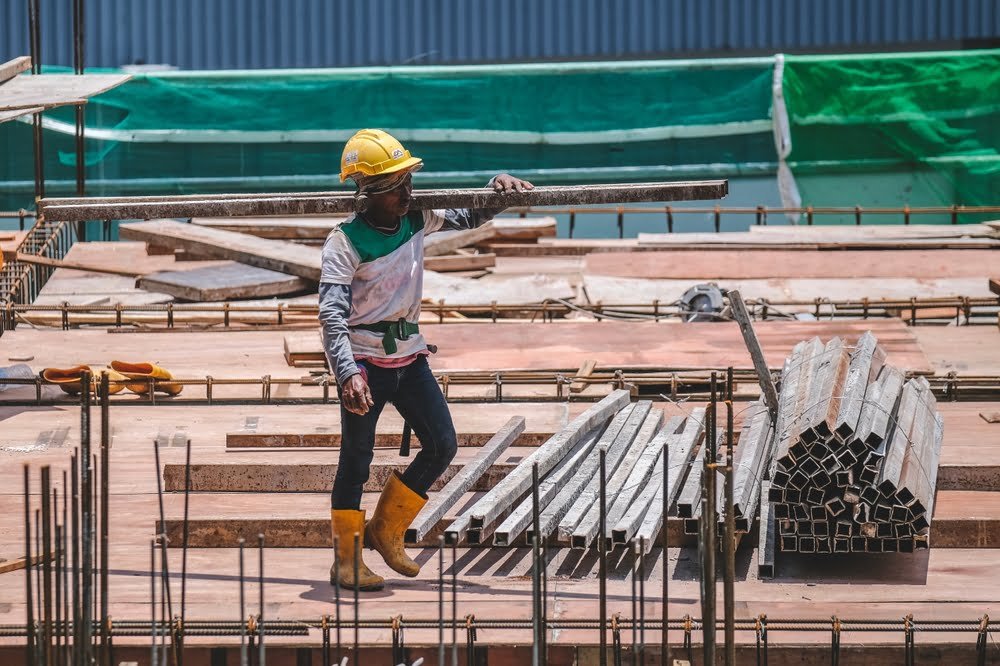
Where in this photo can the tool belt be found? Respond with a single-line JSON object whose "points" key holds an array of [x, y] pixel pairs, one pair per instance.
{"points": [[391, 331]]}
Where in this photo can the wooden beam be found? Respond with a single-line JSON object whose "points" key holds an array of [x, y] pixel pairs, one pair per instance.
{"points": [[11, 255], [51, 90], [995, 285], [222, 282], [460, 262], [585, 371], [769, 393], [446, 498], [281, 256], [327, 203], [12, 68], [446, 242]]}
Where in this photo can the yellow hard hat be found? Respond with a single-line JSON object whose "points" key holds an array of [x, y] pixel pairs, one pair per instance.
{"points": [[372, 152]]}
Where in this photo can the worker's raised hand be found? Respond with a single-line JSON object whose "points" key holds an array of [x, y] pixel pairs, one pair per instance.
{"points": [[356, 395], [505, 182]]}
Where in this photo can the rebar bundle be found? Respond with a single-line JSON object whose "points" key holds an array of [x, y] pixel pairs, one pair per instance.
{"points": [[857, 451]]}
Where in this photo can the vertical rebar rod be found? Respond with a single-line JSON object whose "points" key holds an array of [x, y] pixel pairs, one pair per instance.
{"points": [[75, 527], [184, 546], [535, 611], [35, 45], [78, 24], [86, 520], [95, 582], [29, 609], [57, 574], [41, 630], [709, 521], [664, 634], [603, 558], [336, 595], [105, 399], [164, 564], [243, 606], [642, 600], [357, 593], [454, 602], [441, 600], [260, 620], [729, 545], [47, 561], [536, 582], [68, 656], [635, 611], [155, 657]]}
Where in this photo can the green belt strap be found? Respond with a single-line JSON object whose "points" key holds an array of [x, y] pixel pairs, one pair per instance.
{"points": [[391, 331]]}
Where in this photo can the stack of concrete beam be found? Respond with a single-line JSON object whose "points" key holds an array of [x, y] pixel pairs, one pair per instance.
{"points": [[634, 439], [857, 452], [751, 460]]}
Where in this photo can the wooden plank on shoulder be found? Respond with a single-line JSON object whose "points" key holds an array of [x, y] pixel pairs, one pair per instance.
{"points": [[282, 256]]}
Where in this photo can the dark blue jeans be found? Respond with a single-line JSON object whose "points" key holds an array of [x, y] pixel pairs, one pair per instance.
{"points": [[417, 397]]}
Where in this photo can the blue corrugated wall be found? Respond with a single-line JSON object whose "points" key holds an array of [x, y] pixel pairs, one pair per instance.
{"points": [[252, 34]]}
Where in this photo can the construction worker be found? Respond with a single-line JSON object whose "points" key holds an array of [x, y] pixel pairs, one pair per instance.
{"points": [[369, 306]]}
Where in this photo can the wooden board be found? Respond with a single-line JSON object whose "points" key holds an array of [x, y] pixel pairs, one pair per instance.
{"points": [[446, 242], [754, 264], [12, 68], [275, 255], [51, 90], [607, 289], [231, 280], [995, 285], [523, 228], [834, 232], [965, 350], [450, 263], [11, 115], [279, 228], [567, 344]]}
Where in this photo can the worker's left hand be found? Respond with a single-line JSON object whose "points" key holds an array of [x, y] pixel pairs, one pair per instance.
{"points": [[505, 182]]}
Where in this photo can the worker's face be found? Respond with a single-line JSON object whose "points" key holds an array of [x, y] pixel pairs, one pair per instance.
{"points": [[394, 202]]}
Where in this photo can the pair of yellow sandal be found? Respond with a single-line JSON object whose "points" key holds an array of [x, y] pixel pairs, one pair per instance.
{"points": [[70, 379]]}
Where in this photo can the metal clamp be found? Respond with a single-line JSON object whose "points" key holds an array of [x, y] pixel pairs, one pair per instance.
{"points": [[470, 639], [835, 641], [908, 629], [984, 626], [760, 626], [398, 647], [616, 639]]}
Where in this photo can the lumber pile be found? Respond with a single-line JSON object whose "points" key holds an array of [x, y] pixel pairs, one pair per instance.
{"points": [[857, 451]]}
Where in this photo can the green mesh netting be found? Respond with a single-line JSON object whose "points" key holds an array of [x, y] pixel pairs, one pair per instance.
{"points": [[934, 116], [191, 132]]}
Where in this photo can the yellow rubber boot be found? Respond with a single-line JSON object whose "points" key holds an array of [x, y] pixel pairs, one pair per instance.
{"points": [[147, 371], [346, 523], [397, 507], [68, 379]]}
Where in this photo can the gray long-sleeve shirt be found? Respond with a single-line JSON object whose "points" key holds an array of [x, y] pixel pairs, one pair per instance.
{"points": [[369, 277]]}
